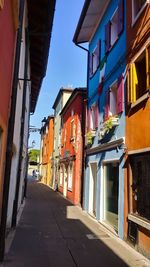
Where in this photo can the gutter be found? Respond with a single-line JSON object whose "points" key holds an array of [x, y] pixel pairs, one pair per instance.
{"points": [[10, 134]]}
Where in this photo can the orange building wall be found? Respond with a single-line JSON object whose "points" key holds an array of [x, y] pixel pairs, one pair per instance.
{"points": [[48, 139], [138, 118]]}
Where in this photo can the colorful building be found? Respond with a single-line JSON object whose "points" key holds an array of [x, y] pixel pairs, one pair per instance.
{"points": [[72, 146], [7, 51], [60, 101], [137, 171], [105, 32], [47, 140], [22, 69]]}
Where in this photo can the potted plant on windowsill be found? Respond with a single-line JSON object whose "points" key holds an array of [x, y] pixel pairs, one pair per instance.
{"points": [[111, 122], [89, 137]]}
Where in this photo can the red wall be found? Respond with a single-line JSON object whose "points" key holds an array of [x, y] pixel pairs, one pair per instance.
{"points": [[7, 45], [77, 107]]}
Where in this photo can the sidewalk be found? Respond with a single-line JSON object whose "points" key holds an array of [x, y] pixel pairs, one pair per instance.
{"points": [[54, 233]]}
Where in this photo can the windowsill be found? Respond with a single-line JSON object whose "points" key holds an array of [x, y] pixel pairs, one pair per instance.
{"points": [[138, 15], [139, 220], [141, 99], [69, 189]]}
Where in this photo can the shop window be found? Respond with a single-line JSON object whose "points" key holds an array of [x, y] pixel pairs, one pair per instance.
{"points": [[70, 176], [140, 165], [139, 84], [137, 7]]}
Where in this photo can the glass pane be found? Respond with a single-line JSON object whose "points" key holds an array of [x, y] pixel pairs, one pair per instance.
{"points": [[111, 186]]}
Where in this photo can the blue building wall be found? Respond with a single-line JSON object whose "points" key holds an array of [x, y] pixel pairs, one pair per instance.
{"points": [[115, 67]]}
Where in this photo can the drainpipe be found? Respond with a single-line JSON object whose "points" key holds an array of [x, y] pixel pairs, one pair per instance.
{"points": [[15, 207], [10, 134], [83, 129]]}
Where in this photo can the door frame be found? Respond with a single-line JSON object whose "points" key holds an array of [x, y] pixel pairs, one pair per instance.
{"points": [[90, 205], [104, 162], [65, 181]]}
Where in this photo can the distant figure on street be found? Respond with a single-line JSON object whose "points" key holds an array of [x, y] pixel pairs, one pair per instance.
{"points": [[33, 173]]}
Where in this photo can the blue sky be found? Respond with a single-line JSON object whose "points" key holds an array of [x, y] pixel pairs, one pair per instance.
{"points": [[66, 65]]}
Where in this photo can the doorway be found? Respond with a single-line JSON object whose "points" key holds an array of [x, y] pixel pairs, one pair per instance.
{"points": [[92, 189], [65, 182], [111, 193]]}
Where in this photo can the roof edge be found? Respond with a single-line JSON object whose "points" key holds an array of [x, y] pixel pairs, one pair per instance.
{"points": [[81, 19]]}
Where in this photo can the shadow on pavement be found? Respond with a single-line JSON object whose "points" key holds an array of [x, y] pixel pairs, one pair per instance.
{"points": [[52, 232]]}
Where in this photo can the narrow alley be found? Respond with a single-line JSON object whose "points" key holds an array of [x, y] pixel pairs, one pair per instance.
{"points": [[53, 232]]}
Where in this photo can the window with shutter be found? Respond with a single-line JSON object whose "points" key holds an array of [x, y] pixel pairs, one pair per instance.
{"points": [[138, 84]]}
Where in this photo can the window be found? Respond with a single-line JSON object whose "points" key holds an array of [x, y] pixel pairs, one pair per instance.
{"points": [[70, 176], [139, 84], [61, 175], [114, 99], [93, 117], [137, 7], [114, 27], [72, 129], [95, 59], [140, 188]]}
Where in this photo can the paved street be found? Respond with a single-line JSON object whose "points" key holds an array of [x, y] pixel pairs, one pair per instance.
{"points": [[52, 232]]}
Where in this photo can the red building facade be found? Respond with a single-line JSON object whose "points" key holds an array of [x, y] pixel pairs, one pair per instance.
{"points": [[72, 143], [7, 49]]}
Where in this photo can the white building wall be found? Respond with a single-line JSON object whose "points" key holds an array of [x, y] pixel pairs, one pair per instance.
{"points": [[17, 128]]}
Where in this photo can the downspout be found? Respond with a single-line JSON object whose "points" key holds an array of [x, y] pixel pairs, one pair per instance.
{"points": [[83, 129], [19, 169], [10, 134]]}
